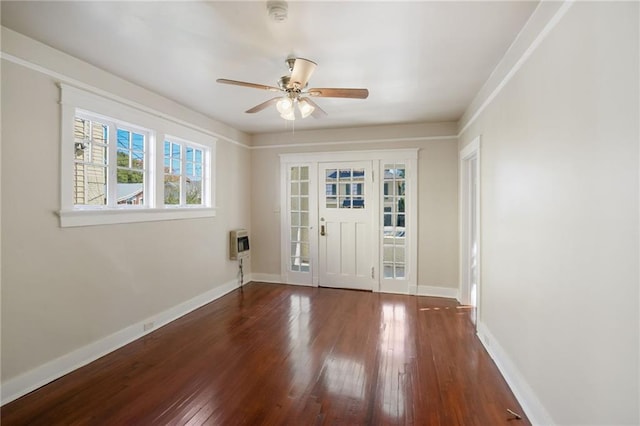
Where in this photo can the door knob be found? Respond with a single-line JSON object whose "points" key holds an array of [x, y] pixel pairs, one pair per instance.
{"points": [[322, 233]]}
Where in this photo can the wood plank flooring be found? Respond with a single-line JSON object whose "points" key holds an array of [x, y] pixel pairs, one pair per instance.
{"points": [[276, 355]]}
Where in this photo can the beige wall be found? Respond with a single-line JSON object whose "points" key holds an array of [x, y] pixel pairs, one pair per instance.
{"points": [[64, 288], [438, 189], [560, 235]]}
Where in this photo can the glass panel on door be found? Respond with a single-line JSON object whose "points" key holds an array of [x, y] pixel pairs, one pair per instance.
{"points": [[344, 188]]}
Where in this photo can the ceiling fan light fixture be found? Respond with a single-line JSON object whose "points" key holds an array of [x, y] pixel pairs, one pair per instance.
{"points": [[290, 115], [284, 105], [306, 109]]}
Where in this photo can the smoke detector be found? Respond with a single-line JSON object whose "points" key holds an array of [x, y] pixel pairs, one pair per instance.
{"points": [[277, 10]]}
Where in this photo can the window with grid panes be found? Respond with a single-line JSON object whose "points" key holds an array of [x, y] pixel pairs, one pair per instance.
{"points": [[394, 218], [344, 188], [131, 167], [109, 162], [299, 225], [184, 169], [112, 170]]}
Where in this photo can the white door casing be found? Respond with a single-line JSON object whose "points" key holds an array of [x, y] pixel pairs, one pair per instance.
{"points": [[470, 225], [363, 276]]}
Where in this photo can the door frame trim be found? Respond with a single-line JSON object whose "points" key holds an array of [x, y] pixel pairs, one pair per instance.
{"points": [[378, 158], [472, 150]]}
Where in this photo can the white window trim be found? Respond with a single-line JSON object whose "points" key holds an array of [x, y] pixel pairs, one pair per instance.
{"points": [[74, 99]]}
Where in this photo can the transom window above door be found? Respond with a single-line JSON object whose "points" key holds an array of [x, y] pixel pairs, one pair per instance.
{"points": [[345, 188]]}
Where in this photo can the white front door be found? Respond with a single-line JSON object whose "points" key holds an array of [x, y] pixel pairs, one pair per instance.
{"points": [[348, 246]]}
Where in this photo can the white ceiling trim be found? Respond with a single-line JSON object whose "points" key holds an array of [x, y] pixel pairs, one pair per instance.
{"points": [[378, 154], [518, 64], [61, 78], [359, 141]]}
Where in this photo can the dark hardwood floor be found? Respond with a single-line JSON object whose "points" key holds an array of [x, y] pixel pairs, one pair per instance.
{"points": [[276, 354]]}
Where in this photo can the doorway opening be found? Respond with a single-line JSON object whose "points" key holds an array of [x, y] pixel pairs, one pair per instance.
{"points": [[470, 227]]}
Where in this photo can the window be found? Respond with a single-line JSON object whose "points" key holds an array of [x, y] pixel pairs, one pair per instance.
{"points": [[109, 163], [184, 168], [91, 140], [345, 188], [116, 171], [394, 218], [131, 172]]}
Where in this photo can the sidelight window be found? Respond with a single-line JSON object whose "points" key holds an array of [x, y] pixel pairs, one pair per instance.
{"points": [[394, 219], [299, 224]]}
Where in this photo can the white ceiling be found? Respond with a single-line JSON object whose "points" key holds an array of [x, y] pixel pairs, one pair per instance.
{"points": [[421, 61]]}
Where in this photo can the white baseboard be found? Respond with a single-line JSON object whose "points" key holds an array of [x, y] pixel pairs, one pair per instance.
{"points": [[298, 284], [265, 278], [431, 291], [389, 287], [52, 370], [527, 398]]}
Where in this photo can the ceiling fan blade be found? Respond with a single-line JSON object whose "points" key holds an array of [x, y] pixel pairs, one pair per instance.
{"points": [[340, 93], [317, 112], [263, 105], [302, 70], [245, 84]]}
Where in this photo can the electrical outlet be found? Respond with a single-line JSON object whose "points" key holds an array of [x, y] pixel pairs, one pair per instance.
{"points": [[148, 326]]}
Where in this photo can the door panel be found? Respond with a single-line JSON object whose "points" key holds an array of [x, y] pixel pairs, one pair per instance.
{"points": [[346, 250]]}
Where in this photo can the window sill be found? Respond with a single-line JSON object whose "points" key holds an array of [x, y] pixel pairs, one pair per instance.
{"points": [[90, 217]]}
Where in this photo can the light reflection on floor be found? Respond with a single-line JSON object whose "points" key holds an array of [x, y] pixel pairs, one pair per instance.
{"points": [[345, 377], [300, 356], [393, 358], [340, 375]]}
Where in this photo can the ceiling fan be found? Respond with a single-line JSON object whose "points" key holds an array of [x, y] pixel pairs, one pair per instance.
{"points": [[294, 91]]}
